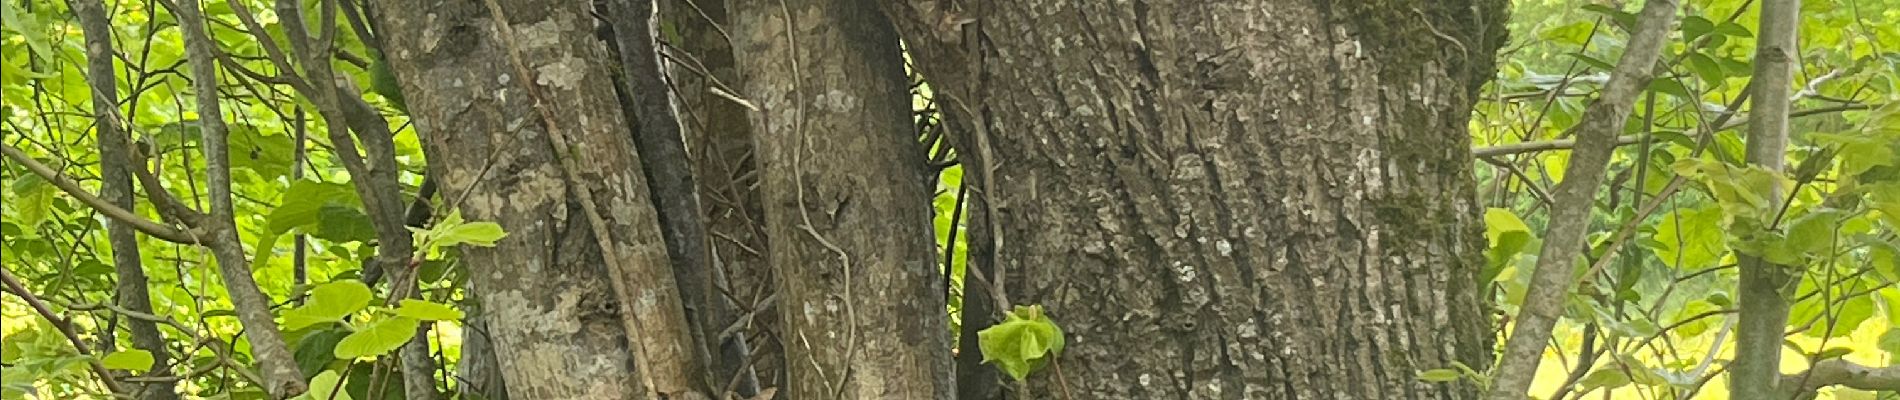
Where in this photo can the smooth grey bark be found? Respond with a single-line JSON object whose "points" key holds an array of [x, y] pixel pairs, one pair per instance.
{"points": [[1764, 286], [1570, 217], [218, 228], [844, 198], [1228, 199], [719, 145], [648, 100], [115, 185], [591, 311]]}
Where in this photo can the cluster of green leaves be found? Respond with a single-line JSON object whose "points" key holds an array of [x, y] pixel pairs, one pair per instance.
{"points": [[1663, 304], [57, 245], [1024, 342]]}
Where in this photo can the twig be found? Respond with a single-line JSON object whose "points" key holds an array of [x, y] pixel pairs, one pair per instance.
{"points": [[147, 226], [65, 328]]}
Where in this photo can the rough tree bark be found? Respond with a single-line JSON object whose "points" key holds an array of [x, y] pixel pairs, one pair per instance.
{"points": [[1229, 199], [844, 199], [115, 185], [578, 316]]}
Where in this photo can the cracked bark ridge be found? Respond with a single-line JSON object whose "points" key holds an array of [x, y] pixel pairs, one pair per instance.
{"points": [[1232, 199]]}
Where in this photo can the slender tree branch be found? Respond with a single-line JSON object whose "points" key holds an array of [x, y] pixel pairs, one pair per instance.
{"points": [[1575, 197], [1838, 372], [65, 328], [1566, 144], [281, 376], [116, 186], [147, 226]]}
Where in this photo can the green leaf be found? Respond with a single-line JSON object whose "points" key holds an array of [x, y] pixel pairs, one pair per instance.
{"points": [[1831, 353], [1592, 61], [1890, 342], [1812, 234], [28, 25], [360, 379], [1573, 33], [1439, 375], [1858, 153], [1671, 87], [1734, 29], [1609, 378], [1690, 239], [451, 231], [134, 359], [343, 224], [378, 338], [1693, 309], [384, 83], [427, 311], [329, 303], [1022, 343], [315, 350], [1706, 68], [305, 200], [269, 155], [32, 202], [1695, 26], [323, 387]]}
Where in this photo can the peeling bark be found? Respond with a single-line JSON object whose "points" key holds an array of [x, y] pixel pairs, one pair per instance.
{"points": [[844, 200], [574, 327], [1229, 199]]}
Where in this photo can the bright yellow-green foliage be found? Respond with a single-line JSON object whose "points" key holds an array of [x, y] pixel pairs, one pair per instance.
{"points": [[1663, 304]]}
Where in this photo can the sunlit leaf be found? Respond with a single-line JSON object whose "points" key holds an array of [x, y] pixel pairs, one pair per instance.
{"points": [[379, 338], [427, 311], [329, 303], [132, 359]]}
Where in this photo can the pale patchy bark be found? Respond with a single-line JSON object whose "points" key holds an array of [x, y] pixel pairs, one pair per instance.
{"points": [[844, 200], [115, 185], [573, 319], [1228, 199]]}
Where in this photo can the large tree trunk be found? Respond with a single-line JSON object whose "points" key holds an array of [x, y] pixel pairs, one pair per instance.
{"points": [[1228, 199], [583, 300], [844, 199]]}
